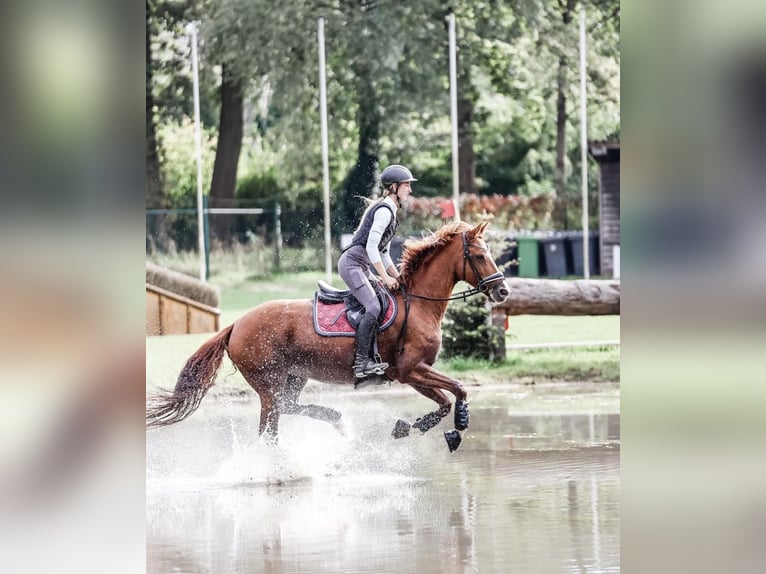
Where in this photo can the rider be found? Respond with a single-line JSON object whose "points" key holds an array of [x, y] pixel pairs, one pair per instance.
{"points": [[369, 246]]}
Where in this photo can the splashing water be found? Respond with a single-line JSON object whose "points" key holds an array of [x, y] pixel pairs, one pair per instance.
{"points": [[228, 452]]}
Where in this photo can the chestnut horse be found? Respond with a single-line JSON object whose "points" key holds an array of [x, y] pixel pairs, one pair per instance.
{"points": [[277, 350]]}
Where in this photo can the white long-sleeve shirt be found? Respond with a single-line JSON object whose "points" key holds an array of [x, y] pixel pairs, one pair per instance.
{"points": [[381, 220]]}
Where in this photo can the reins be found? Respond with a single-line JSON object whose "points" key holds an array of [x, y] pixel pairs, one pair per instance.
{"points": [[481, 287], [462, 295]]}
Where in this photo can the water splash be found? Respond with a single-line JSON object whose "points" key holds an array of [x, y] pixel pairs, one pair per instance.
{"points": [[227, 452]]}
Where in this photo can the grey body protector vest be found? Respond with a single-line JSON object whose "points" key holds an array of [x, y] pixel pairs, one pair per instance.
{"points": [[361, 234]]}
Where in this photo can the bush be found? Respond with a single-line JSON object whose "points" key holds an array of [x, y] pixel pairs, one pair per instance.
{"points": [[505, 212], [466, 331]]}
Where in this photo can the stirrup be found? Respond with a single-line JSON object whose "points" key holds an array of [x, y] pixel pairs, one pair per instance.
{"points": [[369, 367]]}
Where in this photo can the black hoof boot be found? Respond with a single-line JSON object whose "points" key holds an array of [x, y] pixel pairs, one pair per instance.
{"points": [[461, 415], [453, 439], [401, 429], [427, 422]]}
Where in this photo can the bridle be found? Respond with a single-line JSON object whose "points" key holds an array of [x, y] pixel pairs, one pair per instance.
{"points": [[482, 286]]}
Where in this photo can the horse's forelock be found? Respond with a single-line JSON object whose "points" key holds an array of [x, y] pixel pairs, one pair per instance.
{"points": [[418, 251]]}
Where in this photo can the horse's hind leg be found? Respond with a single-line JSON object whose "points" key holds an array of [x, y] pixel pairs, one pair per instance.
{"points": [[289, 405], [269, 423], [263, 384]]}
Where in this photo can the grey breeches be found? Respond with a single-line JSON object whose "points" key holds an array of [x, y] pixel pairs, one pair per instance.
{"points": [[354, 273]]}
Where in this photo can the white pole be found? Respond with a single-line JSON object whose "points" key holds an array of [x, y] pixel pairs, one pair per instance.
{"points": [[453, 113], [325, 160], [198, 152], [584, 149]]}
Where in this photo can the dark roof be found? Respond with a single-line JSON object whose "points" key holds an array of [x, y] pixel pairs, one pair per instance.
{"points": [[604, 151]]}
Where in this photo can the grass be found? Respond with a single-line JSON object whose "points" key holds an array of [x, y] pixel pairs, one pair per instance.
{"points": [[240, 293], [524, 329], [569, 364]]}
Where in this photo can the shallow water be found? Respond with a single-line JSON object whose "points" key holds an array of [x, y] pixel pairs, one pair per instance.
{"points": [[534, 487]]}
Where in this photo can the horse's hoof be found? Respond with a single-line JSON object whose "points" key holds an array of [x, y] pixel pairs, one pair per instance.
{"points": [[401, 429], [461, 415], [453, 439]]}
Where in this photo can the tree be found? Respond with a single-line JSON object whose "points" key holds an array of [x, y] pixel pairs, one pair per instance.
{"points": [[387, 51], [249, 40], [168, 95], [230, 129], [388, 87], [554, 26], [154, 190], [481, 26]]}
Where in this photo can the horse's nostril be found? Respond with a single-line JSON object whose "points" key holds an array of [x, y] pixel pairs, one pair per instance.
{"points": [[503, 292]]}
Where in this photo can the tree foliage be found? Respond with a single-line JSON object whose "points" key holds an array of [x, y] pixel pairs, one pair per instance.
{"points": [[388, 90]]}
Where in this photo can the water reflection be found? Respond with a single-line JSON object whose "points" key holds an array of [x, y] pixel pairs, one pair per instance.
{"points": [[524, 493]]}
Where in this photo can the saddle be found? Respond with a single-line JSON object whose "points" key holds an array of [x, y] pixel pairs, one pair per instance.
{"points": [[337, 312]]}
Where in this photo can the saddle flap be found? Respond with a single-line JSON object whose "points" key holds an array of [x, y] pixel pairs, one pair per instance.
{"points": [[338, 318]]}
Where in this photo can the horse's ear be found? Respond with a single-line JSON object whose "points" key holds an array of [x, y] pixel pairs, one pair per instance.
{"points": [[478, 231]]}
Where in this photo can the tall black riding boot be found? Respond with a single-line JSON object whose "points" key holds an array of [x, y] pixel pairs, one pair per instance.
{"points": [[363, 364]]}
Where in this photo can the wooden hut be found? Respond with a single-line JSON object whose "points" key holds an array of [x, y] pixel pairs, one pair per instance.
{"points": [[607, 154]]}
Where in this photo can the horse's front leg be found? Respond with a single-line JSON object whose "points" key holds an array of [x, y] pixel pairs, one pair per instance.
{"points": [[434, 379], [430, 420], [431, 383]]}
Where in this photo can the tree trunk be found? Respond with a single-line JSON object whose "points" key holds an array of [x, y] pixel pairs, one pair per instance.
{"points": [[466, 156], [561, 107], [155, 193], [558, 297], [561, 127], [224, 181], [361, 180]]}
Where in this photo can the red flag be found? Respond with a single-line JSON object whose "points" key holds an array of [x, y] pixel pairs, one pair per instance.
{"points": [[448, 209]]}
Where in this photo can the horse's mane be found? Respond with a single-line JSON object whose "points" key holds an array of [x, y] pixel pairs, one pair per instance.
{"points": [[418, 251]]}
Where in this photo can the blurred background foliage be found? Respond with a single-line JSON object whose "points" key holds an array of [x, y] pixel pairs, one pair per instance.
{"points": [[388, 102]]}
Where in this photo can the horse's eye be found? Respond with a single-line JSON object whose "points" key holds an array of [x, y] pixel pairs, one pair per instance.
{"points": [[480, 257]]}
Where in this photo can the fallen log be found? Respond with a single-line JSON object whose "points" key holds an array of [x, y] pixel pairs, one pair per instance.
{"points": [[558, 297]]}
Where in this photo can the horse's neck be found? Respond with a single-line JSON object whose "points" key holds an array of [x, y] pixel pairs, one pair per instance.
{"points": [[435, 279]]}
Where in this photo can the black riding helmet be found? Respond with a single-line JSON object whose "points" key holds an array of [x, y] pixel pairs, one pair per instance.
{"points": [[395, 174]]}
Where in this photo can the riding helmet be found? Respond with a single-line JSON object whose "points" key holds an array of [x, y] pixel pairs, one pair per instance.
{"points": [[395, 174]]}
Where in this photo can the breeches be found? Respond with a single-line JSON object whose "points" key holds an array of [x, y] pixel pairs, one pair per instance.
{"points": [[355, 276]]}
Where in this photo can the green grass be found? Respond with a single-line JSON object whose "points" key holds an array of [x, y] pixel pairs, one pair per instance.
{"points": [[524, 329], [569, 364]]}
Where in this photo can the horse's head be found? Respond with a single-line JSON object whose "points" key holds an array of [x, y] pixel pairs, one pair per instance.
{"points": [[479, 268]]}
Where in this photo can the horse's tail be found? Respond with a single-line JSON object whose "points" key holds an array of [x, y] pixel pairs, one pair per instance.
{"points": [[197, 376]]}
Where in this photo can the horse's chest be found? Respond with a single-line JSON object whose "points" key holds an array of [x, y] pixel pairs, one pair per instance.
{"points": [[432, 344]]}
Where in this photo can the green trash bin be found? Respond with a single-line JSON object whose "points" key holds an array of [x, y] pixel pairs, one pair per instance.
{"points": [[529, 257]]}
